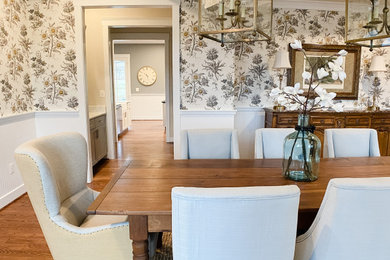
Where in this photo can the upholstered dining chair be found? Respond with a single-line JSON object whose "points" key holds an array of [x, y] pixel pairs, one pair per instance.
{"points": [[234, 223], [351, 142], [54, 170], [209, 144], [351, 224], [269, 142]]}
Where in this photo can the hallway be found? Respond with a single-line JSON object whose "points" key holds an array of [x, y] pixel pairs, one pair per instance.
{"points": [[22, 237]]}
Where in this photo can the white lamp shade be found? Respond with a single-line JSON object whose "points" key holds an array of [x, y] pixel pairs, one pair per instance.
{"points": [[282, 60], [378, 64]]}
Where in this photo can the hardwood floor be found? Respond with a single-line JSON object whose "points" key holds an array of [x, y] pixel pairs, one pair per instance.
{"points": [[20, 234]]}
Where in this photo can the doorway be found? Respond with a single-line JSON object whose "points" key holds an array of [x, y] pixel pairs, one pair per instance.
{"points": [[100, 80]]}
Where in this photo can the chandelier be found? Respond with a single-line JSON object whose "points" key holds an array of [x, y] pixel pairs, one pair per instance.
{"points": [[230, 21], [367, 23]]}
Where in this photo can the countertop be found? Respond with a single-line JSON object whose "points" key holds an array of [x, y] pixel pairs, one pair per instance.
{"points": [[93, 115]]}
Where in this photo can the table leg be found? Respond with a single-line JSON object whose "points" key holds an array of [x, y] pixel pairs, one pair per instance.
{"points": [[139, 235]]}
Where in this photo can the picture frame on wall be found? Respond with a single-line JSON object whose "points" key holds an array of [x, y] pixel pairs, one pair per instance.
{"points": [[347, 89]]}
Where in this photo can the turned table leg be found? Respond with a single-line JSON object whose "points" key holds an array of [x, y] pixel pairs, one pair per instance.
{"points": [[139, 235]]}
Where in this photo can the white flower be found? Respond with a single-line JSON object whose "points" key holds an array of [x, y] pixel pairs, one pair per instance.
{"points": [[306, 75], [338, 107], [282, 100], [324, 98], [337, 70], [294, 106], [296, 90], [296, 45], [342, 53], [322, 73], [275, 92]]}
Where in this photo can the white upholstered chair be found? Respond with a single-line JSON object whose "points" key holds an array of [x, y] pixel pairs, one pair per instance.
{"points": [[54, 170], [351, 142], [351, 224], [209, 144], [269, 142], [234, 223]]}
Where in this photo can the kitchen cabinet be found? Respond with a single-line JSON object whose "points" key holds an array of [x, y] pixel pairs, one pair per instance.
{"points": [[98, 138]]}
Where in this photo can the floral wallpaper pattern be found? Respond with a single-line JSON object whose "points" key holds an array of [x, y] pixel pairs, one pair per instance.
{"points": [[38, 68], [241, 75], [37, 56]]}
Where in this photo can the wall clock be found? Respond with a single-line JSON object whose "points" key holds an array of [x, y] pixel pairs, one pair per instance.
{"points": [[147, 76]]}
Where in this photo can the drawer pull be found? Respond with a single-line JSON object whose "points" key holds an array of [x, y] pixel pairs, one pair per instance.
{"points": [[322, 121], [289, 121], [357, 121]]}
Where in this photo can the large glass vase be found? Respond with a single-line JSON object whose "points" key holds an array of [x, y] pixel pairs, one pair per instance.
{"points": [[302, 150]]}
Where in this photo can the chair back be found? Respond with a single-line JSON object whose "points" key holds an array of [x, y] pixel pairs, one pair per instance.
{"points": [[351, 142], [209, 144], [234, 223], [269, 142], [352, 222]]}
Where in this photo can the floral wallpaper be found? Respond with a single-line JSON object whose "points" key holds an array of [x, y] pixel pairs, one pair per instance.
{"points": [[38, 68], [223, 78], [37, 56]]}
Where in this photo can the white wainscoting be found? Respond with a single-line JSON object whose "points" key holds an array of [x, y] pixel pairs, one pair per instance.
{"points": [[246, 122], [17, 129], [207, 119], [147, 107], [14, 130]]}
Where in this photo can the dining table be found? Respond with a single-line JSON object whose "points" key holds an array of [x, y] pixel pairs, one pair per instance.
{"points": [[142, 190]]}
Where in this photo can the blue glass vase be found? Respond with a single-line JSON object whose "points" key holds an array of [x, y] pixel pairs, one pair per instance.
{"points": [[302, 151]]}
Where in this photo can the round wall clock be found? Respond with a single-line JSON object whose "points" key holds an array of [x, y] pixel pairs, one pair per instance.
{"points": [[147, 76]]}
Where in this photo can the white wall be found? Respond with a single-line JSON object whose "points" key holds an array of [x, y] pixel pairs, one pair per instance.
{"points": [[14, 131], [146, 107]]}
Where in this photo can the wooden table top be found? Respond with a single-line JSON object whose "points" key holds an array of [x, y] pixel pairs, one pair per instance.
{"points": [[144, 188]]}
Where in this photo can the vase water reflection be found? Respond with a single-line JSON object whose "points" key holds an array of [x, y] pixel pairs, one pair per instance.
{"points": [[302, 150]]}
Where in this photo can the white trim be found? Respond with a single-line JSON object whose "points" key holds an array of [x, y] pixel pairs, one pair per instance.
{"points": [[16, 118], [311, 4], [12, 195], [156, 22], [56, 114], [249, 109], [139, 41], [176, 78], [208, 113]]}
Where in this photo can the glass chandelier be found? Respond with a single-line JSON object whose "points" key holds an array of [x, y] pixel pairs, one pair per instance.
{"points": [[230, 21], [367, 23]]}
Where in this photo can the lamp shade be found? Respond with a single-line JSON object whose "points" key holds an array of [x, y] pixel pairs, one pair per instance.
{"points": [[282, 60], [378, 64]]}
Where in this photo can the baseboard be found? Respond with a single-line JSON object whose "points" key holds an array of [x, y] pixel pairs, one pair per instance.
{"points": [[12, 195]]}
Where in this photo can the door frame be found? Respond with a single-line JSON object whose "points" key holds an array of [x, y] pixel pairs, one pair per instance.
{"points": [[81, 61]]}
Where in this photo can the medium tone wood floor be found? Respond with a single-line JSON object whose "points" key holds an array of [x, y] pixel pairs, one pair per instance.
{"points": [[20, 234]]}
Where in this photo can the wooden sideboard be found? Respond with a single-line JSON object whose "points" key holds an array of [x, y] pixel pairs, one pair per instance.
{"points": [[379, 120]]}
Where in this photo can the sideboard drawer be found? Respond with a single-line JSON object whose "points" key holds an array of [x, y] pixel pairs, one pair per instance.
{"points": [[357, 121], [381, 121], [287, 120], [322, 121]]}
